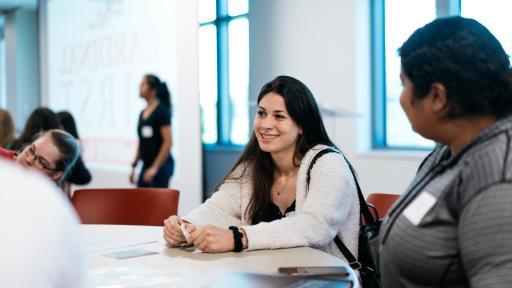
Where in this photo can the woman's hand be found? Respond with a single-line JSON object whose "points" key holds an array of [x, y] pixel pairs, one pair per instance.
{"points": [[132, 176], [212, 239], [172, 231], [149, 174]]}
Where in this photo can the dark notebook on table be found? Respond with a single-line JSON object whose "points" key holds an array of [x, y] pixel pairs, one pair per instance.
{"points": [[250, 280]]}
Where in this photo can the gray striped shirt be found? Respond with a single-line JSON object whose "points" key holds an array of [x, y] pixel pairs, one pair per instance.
{"points": [[453, 226]]}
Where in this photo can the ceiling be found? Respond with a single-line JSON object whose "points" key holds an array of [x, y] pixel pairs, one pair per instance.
{"points": [[13, 4]]}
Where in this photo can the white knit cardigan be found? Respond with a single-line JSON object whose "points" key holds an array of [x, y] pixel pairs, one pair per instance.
{"points": [[329, 207]]}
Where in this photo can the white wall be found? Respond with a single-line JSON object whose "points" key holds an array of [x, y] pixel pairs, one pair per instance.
{"points": [[325, 44]]}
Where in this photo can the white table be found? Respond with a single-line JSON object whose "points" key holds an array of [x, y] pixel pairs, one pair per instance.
{"points": [[179, 267]]}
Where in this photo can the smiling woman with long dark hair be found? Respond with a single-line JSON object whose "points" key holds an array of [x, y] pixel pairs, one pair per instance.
{"points": [[265, 201]]}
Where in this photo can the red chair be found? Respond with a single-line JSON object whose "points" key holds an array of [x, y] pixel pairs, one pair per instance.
{"points": [[382, 202], [138, 206]]}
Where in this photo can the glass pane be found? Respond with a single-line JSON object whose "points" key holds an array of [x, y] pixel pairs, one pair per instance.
{"points": [[238, 7], [208, 83], [495, 15], [207, 10], [402, 18], [239, 80]]}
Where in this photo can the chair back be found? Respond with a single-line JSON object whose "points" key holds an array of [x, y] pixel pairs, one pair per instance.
{"points": [[382, 202], [132, 206]]}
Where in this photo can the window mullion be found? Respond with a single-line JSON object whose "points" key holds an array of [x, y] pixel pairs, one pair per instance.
{"points": [[224, 111], [446, 8], [379, 75]]}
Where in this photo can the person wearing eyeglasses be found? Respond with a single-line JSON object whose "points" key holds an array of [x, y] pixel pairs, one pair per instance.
{"points": [[52, 153]]}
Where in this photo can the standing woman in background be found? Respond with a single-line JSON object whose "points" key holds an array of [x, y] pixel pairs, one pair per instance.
{"points": [[154, 131], [6, 129]]}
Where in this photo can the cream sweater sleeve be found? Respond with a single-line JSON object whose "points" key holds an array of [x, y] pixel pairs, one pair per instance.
{"points": [[325, 209], [223, 209]]}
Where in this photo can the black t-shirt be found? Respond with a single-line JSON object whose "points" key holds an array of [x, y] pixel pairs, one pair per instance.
{"points": [[150, 138], [273, 213]]}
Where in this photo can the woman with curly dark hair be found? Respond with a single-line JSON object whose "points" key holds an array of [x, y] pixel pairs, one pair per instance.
{"points": [[451, 228]]}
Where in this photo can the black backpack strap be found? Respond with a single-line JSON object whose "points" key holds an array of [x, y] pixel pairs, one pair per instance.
{"points": [[363, 207], [354, 264]]}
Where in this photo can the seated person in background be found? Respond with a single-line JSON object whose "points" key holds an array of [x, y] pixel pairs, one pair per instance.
{"points": [[40, 243], [453, 226], [41, 119], [53, 153], [266, 198], [7, 129], [79, 174]]}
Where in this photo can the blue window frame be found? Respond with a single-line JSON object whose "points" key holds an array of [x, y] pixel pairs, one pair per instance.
{"points": [[224, 71], [392, 22]]}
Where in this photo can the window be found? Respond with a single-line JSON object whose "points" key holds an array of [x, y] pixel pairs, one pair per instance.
{"points": [[393, 22], [224, 71], [399, 19], [493, 14]]}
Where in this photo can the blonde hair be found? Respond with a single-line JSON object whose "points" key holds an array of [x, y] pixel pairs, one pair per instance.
{"points": [[6, 128]]}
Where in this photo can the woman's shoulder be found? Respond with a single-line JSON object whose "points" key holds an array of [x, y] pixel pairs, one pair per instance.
{"points": [[328, 171], [323, 157], [163, 109], [241, 172], [322, 151]]}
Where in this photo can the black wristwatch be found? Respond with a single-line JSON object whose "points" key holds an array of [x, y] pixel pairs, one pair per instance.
{"points": [[237, 236]]}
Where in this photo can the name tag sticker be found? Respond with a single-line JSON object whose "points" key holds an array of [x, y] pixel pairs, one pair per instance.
{"points": [[147, 131], [419, 207]]}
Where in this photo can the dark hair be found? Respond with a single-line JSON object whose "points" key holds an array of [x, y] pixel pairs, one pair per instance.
{"points": [[68, 149], [467, 59], [41, 119], [68, 123], [303, 109], [6, 128], [162, 92]]}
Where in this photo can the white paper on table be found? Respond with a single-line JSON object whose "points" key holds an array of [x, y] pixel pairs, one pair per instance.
{"points": [[104, 242]]}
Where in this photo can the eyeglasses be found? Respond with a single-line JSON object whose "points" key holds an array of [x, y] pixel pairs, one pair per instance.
{"points": [[39, 160]]}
